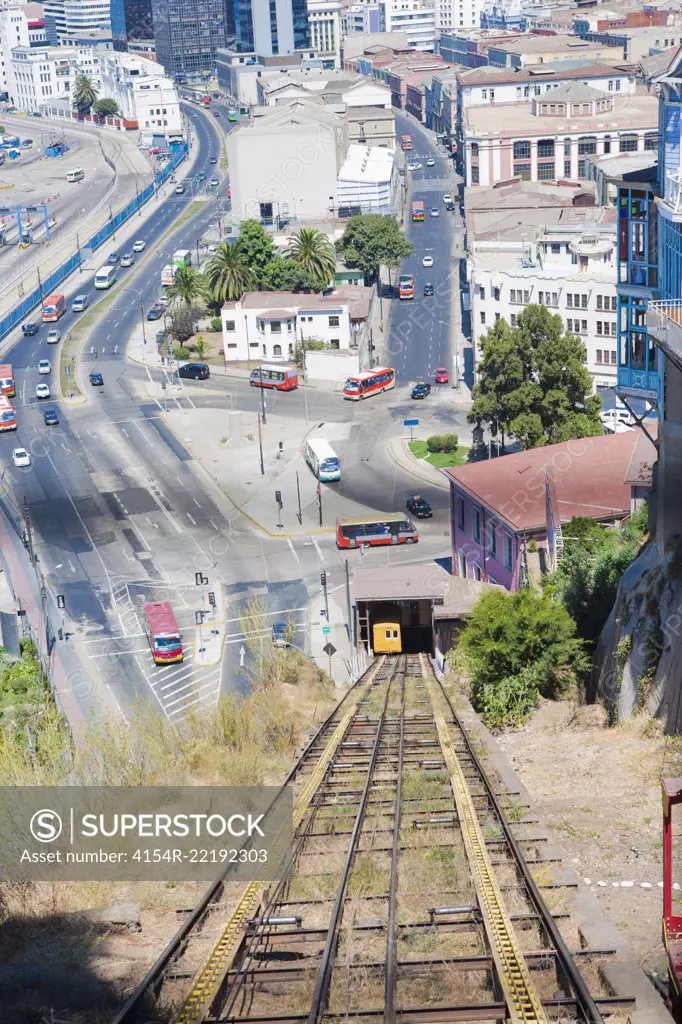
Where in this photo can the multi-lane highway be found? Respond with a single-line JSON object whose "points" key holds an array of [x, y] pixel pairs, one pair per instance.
{"points": [[123, 513]]}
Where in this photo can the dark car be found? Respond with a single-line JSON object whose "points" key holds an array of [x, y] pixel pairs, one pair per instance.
{"points": [[216, 114], [202, 175], [194, 371], [450, 207], [50, 417], [418, 507], [97, 380], [155, 313], [214, 160], [428, 288], [421, 390], [30, 328], [113, 258], [280, 635]]}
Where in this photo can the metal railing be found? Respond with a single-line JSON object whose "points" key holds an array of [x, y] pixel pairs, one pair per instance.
{"points": [[664, 324]]}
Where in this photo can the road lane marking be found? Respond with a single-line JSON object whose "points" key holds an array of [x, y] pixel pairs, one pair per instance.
{"points": [[293, 549]]}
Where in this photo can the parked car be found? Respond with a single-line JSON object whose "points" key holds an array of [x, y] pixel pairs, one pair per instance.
{"points": [[51, 418], [442, 376], [419, 507], [194, 371], [42, 390], [280, 635], [44, 366], [96, 379], [113, 258], [421, 390], [30, 328], [139, 245], [127, 259], [20, 457], [54, 336], [155, 313], [427, 261], [428, 288], [80, 303]]}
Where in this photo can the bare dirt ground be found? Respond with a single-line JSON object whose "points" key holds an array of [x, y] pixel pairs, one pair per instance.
{"points": [[598, 789]]}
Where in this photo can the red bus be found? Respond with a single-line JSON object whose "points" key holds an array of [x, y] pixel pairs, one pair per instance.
{"points": [[281, 378], [8, 418], [53, 308], [406, 142], [371, 382], [163, 636], [391, 528], [206, 100], [406, 286], [6, 380], [418, 210]]}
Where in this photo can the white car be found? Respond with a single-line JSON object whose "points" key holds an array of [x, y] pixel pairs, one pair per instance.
{"points": [[435, 212], [139, 245], [42, 391], [44, 366], [430, 162], [427, 261], [447, 198], [179, 190], [614, 420], [214, 182], [414, 167], [20, 457], [127, 259], [54, 336]]}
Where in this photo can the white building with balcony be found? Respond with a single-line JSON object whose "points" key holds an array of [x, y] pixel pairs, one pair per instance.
{"points": [[267, 326], [569, 268], [20, 25], [144, 94], [39, 76], [416, 18]]}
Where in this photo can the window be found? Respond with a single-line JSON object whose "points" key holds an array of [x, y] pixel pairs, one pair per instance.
{"points": [[583, 326], [614, 358], [599, 327], [477, 572], [474, 149], [462, 564], [492, 95], [522, 171], [483, 318], [522, 150], [496, 294], [582, 168], [599, 355], [587, 145], [567, 168], [607, 143], [651, 141], [482, 292], [275, 327], [507, 551], [229, 325], [474, 176], [484, 94], [492, 538], [461, 514], [512, 319], [627, 143], [546, 147], [599, 303], [276, 350], [545, 171], [334, 321]]}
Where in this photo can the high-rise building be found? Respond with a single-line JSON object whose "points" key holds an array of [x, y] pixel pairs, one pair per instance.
{"points": [[272, 29], [417, 18], [131, 19], [69, 21], [324, 20], [188, 33]]}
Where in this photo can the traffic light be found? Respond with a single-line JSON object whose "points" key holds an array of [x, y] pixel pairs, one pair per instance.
{"points": [[278, 497], [323, 579]]}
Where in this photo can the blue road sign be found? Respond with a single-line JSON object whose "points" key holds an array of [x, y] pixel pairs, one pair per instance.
{"points": [[410, 423]]}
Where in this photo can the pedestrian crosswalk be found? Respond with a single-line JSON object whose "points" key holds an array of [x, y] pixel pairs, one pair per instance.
{"points": [[181, 687]]}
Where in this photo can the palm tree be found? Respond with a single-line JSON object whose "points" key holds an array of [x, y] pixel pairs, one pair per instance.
{"points": [[313, 251], [187, 286], [84, 93], [228, 274]]}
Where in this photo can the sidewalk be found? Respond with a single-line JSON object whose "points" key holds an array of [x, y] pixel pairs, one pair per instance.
{"points": [[345, 665], [209, 637], [226, 445]]}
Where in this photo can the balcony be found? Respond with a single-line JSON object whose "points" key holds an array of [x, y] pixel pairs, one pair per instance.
{"points": [[664, 325]]}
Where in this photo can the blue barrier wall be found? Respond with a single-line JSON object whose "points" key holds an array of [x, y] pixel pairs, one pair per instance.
{"points": [[35, 298]]}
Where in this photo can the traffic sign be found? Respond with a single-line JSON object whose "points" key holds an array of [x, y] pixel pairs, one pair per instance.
{"points": [[326, 629], [329, 649], [410, 423]]}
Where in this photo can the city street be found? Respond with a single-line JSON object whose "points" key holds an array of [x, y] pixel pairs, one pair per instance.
{"points": [[123, 511]]}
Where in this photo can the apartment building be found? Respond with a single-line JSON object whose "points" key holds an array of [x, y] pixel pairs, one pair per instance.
{"points": [[39, 76], [324, 22], [416, 18], [550, 137], [20, 25], [187, 36], [145, 95], [268, 326]]}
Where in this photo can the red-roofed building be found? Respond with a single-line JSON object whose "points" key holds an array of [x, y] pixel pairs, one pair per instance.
{"points": [[497, 506]]}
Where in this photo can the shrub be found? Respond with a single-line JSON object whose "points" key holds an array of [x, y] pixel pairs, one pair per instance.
{"points": [[509, 701], [181, 352], [435, 443], [216, 323], [449, 443]]}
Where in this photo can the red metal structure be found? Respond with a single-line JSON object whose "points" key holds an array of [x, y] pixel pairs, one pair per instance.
{"points": [[672, 922]]}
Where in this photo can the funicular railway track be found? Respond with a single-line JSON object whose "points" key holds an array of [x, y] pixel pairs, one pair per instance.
{"points": [[410, 896]]}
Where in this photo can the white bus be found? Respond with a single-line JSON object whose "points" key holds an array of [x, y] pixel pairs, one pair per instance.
{"points": [[322, 459], [77, 175], [105, 277], [182, 256]]}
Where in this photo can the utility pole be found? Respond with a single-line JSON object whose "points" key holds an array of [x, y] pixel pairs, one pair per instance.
{"points": [[298, 491], [323, 582], [260, 445], [305, 376], [144, 331], [78, 250], [29, 531], [319, 495], [262, 398], [348, 605]]}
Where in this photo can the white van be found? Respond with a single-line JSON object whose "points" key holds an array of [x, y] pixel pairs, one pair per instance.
{"points": [[76, 175]]}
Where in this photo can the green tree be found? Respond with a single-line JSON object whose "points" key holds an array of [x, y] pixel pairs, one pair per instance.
{"points": [[281, 274], [228, 274], [371, 241], [188, 285], [183, 321], [254, 244], [84, 93], [200, 347], [312, 250], [513, 639], [533, 384], [105, 108]]}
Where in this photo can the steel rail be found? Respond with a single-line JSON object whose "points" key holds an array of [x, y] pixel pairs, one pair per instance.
{"points": [[391, 937], [321, 991], [153, 979], [585, 1001]]}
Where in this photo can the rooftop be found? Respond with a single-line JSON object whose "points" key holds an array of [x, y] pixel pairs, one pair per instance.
{"points": [[533, 72], [550, 43], [639, 110], [573, 92], [589, 477], [367, 164], [355, 298], [616, 167], [427, 580]]}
